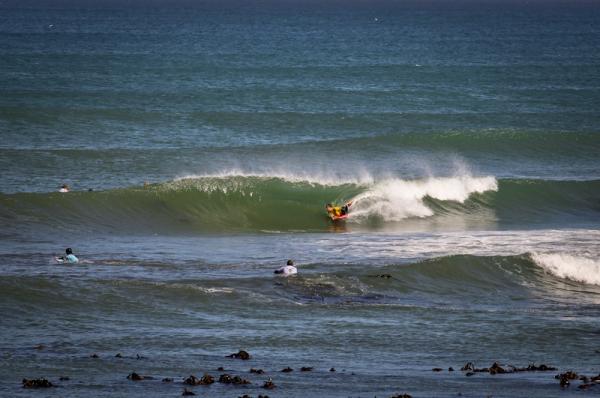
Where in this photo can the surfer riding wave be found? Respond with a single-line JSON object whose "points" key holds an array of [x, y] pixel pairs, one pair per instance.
{"points": [[338, 212]]}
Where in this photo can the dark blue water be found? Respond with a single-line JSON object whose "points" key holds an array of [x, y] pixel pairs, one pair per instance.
{"points": [[201, 142]]}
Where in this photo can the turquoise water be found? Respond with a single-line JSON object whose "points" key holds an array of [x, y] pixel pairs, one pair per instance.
{"points": [[201, 143]]}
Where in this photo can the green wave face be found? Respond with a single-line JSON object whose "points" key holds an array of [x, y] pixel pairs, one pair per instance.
{"points": [[254, 203]]}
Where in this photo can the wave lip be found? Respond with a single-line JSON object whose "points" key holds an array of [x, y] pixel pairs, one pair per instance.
{"points": [[396, 199], [576, 268], [313, 177]]}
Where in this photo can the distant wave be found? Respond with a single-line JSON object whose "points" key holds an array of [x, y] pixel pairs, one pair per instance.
{"points": [[382, 135]]}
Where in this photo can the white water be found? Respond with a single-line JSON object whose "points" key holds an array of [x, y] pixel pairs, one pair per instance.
{"points": [[576, 268], [321, 177], [397, 199]]}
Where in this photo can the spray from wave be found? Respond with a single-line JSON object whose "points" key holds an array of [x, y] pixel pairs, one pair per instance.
{"points": [[314, 176], [396, 199], [576, 268]]}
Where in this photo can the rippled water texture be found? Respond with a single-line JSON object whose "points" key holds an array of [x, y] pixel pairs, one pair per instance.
{"points": [[201, 142]]}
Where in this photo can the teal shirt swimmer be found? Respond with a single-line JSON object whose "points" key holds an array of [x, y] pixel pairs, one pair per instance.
{"points": [[69, 257], [72, 259]]}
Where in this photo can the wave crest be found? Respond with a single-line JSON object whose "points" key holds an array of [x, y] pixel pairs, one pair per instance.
{"points": [[576, 268], [396, 199]]}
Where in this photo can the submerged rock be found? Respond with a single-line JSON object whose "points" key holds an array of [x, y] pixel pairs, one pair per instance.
{"points": [[287, 370], [119, 355], [306, 369], [64, 378], [249, 396], [543, 368], [436, 369], [566, 377], [187, 392], [468, 366], [495, 368], [533, 368], [228, 379], [135, 377], [207, 379], [450, 369], [95, 356], [225, 378], [240, 355], [332, 370], [240, 380], [401, 396], [569, 375], [194, 381], [257, 371], [37, 383], [167, 380], [220, 368]]}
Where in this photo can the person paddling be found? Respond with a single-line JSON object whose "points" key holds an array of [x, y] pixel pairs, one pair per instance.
{"points": [[287, 270], [68, 258]]}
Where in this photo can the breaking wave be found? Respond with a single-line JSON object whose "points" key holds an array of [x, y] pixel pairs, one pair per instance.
{"points": [[237, 203], [575, 268]]}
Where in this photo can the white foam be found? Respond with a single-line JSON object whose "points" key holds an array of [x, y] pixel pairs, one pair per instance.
{"points": [[576, 268], [397, 199], [320, 177]]}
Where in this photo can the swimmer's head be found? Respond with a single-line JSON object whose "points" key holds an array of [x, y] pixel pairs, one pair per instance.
{"points": [[290, 262], [69, 251]]}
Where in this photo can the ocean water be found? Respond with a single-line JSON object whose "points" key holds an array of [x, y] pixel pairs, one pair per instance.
{"points": [[201, 141]]}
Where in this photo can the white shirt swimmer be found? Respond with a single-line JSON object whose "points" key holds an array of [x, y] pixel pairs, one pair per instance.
{"points": [[287, 270]]}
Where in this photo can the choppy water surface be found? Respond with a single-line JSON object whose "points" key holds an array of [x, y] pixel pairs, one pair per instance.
{"points": [[201, 142]]}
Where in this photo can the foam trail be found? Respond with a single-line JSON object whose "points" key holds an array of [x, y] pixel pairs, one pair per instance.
{"points": [[576, 268], [397, 199]]}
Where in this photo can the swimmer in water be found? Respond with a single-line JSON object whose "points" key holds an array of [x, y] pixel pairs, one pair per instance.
{"points": [[68, 258], [287, 270], [64, 188]]}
